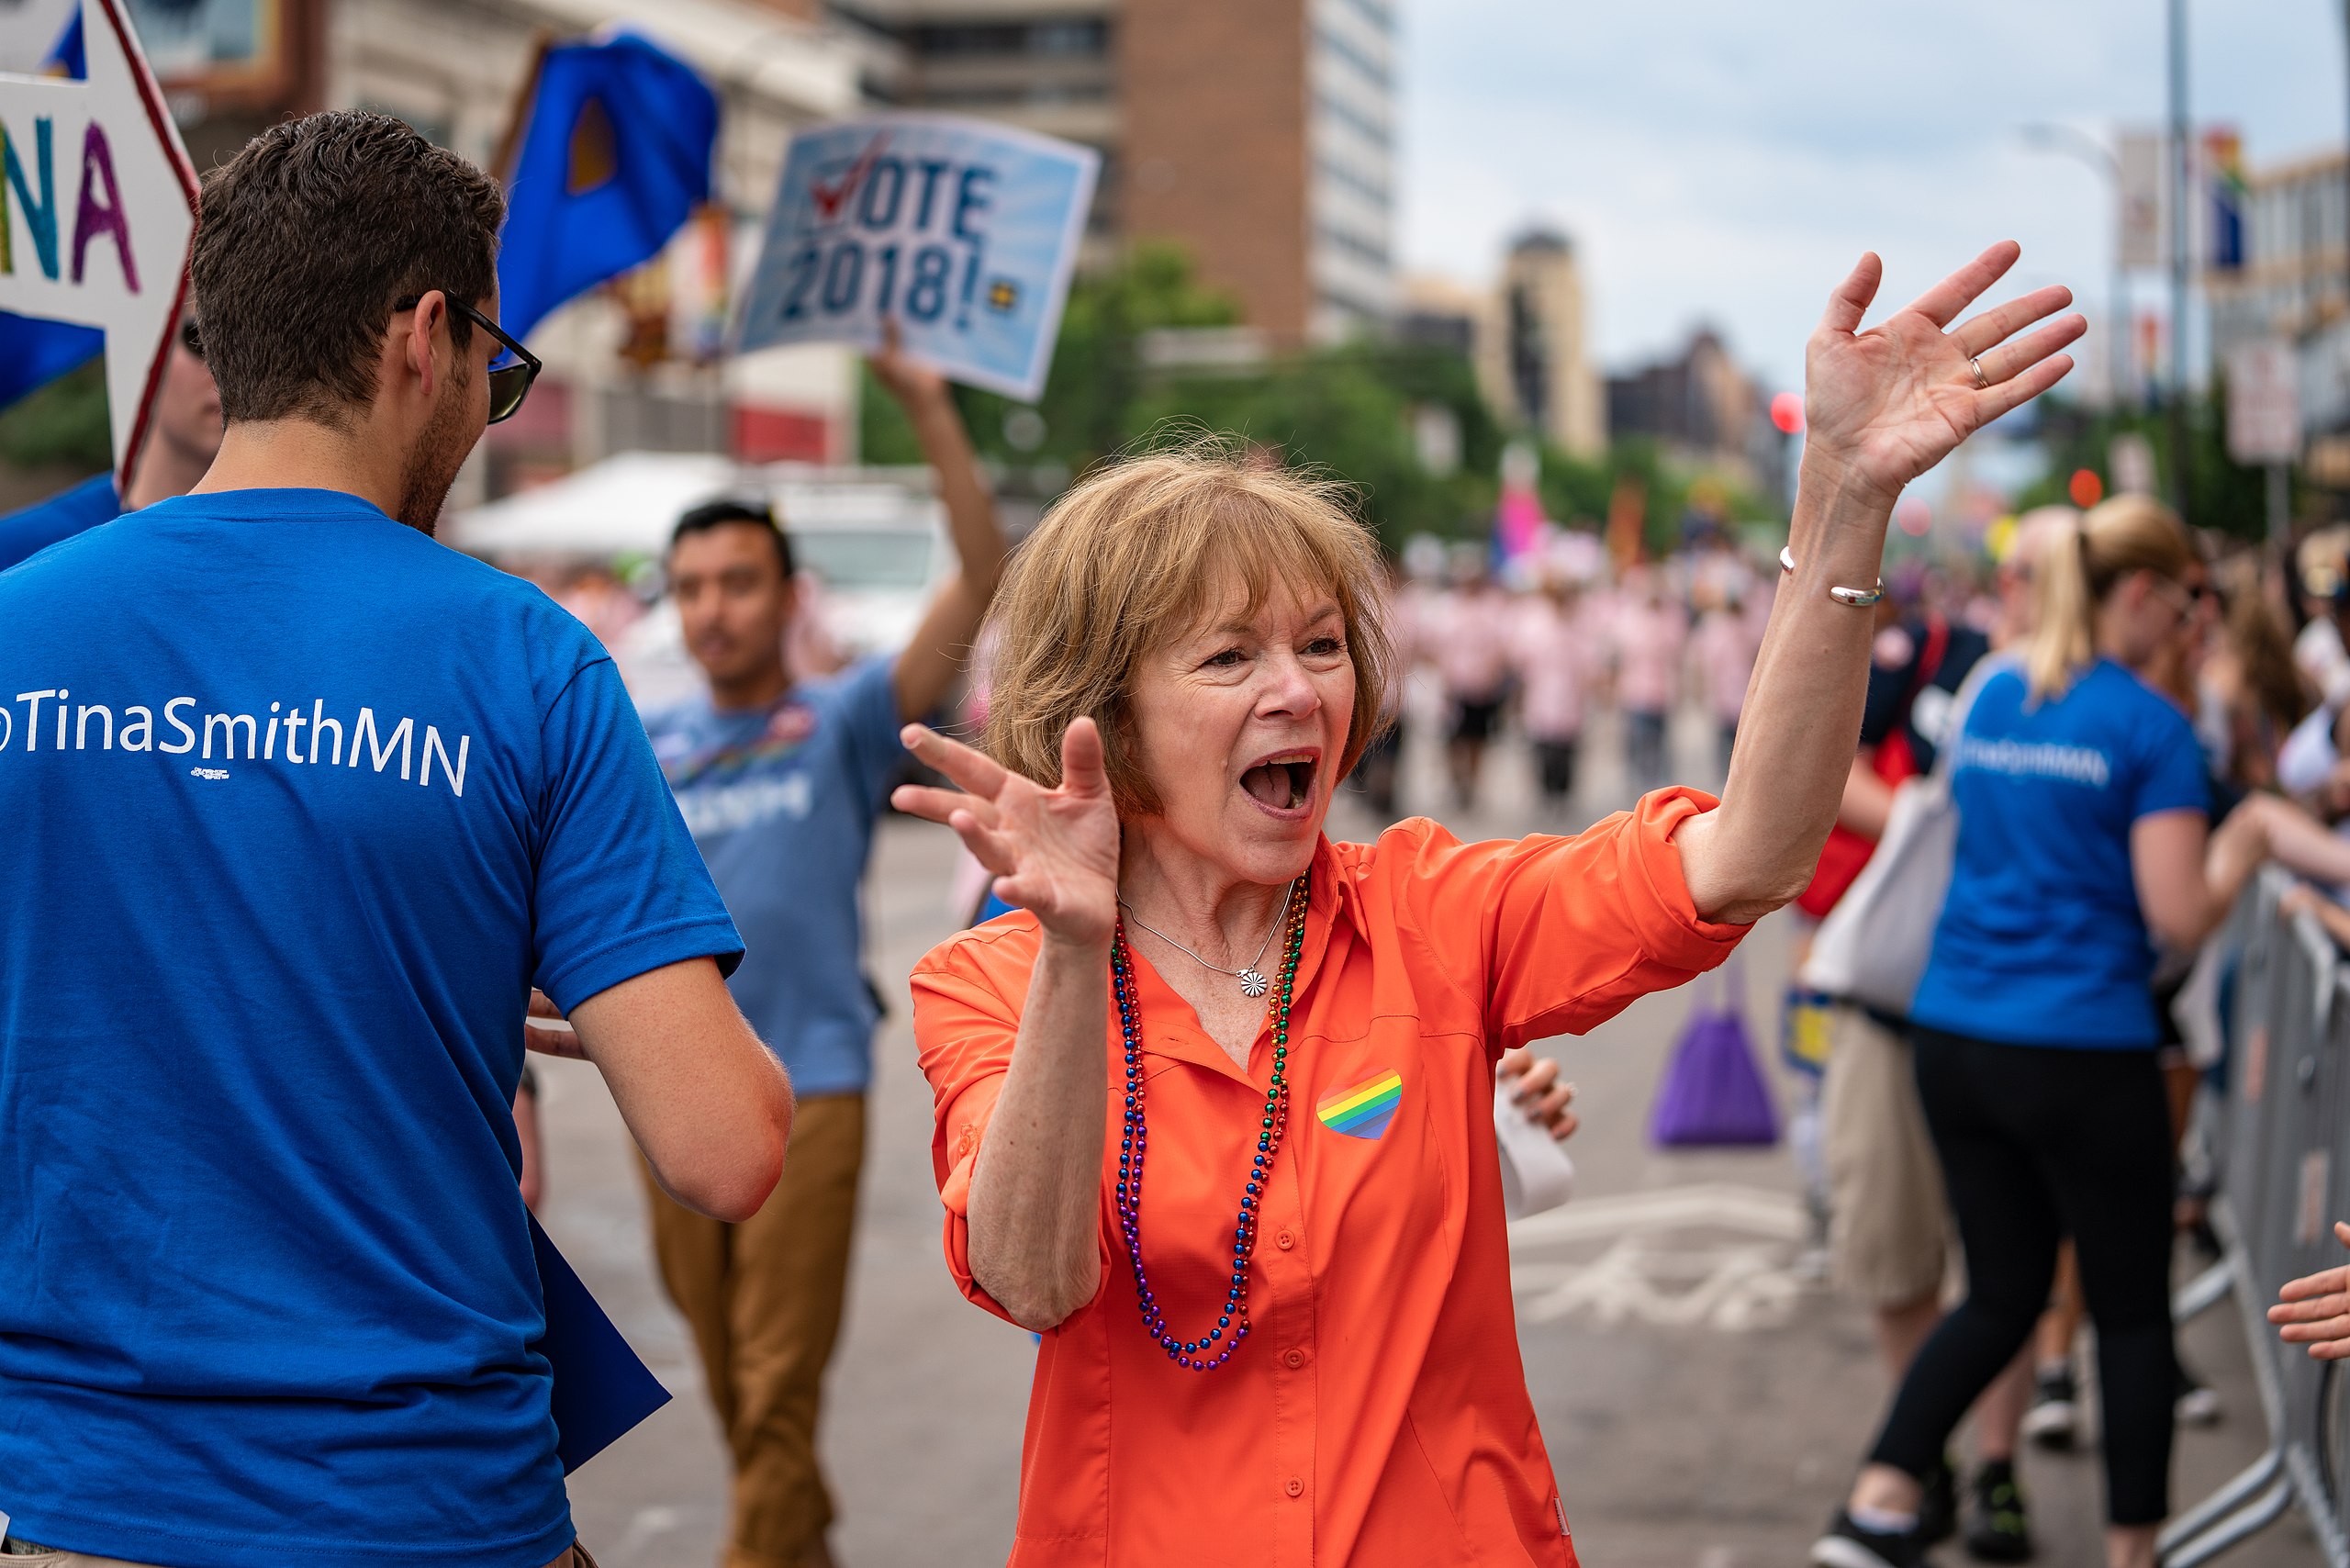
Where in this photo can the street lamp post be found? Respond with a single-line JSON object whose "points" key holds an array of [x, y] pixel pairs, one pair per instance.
{"points": [[2080, 144]]}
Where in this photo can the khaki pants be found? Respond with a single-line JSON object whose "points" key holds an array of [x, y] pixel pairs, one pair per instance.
{"points": [[575, 1558], [1889, 1229], [763, 1300]]}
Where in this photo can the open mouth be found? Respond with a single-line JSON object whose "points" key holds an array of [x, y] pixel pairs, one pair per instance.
{"points": [[1283, 783]]}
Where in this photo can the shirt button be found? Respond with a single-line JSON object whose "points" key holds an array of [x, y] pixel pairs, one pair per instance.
{"points": [[1294, 1359], [1295, 1487], [1284, 1241]]}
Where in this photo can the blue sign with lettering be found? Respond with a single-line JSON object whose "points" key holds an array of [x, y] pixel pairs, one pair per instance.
{"points": [[961, 232]]}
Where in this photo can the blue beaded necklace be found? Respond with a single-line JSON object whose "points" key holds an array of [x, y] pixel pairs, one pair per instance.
{"points": [[1232, 1323]]}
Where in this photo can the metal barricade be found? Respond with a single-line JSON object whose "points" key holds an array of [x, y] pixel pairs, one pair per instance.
{"points": [[2284, 1180]]}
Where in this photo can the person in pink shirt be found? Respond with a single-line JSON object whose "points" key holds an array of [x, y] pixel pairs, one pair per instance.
{"points": [[1555, 662], [1652, 631], [1467, 641], [1724, 649]]}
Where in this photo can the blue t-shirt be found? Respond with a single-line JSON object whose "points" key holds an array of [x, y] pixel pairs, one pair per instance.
{"points": [[299, 804], [782, 801], [2041, 940], [64, 515]]}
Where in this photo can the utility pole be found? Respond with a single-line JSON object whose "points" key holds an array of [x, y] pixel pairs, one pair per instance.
{"points": [[2182, 193]]}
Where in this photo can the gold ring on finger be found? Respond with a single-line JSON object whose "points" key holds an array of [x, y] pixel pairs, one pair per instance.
{"points": [[1981, 382]]}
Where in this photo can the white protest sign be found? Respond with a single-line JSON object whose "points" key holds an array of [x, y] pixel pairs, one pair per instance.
{"points": [[961, 232], [2263, 402], [97, 202]]}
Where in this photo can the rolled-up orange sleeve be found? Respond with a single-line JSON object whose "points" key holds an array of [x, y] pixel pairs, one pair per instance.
{"points": [[1557, 935], [964, 1028]]}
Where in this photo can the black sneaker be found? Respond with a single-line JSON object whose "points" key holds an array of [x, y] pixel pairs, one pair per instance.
{"points": [[1997, 1528], [1848, 1545], [2055, 1409], [1938, 1506]]}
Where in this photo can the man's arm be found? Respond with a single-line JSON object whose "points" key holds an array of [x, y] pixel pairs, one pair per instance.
{"points": [[705, 1101], [930, 663]]}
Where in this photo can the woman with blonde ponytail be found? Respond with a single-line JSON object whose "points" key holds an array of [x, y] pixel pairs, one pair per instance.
{"points": [[2082, 844], [2128, 534]]}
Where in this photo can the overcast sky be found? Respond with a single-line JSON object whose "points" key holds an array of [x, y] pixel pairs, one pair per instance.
{"points": [[1724, 161]]}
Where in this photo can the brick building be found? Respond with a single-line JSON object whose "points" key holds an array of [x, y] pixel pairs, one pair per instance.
{"points": [[1257, 133]]}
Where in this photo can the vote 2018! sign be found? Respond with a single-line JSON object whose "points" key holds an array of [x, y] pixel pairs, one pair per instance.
{"points": [[962, 232], [98, 200]]}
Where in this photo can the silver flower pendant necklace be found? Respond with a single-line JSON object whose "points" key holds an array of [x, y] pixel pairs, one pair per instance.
{"points": [[1252, 980]]}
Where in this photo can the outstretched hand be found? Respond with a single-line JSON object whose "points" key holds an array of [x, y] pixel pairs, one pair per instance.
{"points": [[1054, 852], [2315, 1310], [1890, 403]]}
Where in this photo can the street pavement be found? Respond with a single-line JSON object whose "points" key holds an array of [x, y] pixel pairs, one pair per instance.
{"points": [[1704, 1397]]}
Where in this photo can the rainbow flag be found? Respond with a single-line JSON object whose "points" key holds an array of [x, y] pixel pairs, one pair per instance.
{"points": [[1362, 1110]]}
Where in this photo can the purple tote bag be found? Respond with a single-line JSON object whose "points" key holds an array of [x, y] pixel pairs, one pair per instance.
{"points": [[1712, 1094]]}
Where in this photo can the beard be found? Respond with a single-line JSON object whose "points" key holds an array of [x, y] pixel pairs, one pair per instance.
{"points": [[440, 451]]}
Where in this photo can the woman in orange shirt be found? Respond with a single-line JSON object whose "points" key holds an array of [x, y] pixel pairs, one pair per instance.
{"points": [[1213, 1107]]}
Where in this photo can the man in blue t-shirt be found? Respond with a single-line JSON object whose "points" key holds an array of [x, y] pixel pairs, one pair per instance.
{"points": [[303, 805], [183, 434], [781, 781]]}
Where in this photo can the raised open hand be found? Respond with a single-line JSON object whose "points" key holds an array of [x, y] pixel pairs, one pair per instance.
{"points": [[1054, 852], [1890, 403]]}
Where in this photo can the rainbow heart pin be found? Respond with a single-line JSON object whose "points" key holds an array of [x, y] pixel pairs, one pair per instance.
{"points": [[1362, 1110]]}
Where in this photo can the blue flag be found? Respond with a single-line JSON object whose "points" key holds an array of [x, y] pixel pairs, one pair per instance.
{"points": [[34, 352], [616, 157]]}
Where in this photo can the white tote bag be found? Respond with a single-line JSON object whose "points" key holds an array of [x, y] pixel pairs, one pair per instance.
{"points": [[1872, 946]]}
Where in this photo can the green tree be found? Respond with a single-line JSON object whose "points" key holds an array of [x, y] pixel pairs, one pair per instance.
{"points": [[2222, 494], [1350, 410]]}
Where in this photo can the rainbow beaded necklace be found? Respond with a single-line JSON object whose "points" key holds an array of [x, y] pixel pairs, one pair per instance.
{"points": [[1232, 1323]]}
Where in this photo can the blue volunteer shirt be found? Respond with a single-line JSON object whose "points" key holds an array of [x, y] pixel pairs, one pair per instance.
{"points": [[782, 801], [64, 515], [2041, 940], [300, 805]]}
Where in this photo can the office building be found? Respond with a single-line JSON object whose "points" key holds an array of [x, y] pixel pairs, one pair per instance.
{"points": [[1704, 413], [1534, 362]]}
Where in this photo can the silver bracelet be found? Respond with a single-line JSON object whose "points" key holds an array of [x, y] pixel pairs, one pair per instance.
{"points": [[1856, 598]]}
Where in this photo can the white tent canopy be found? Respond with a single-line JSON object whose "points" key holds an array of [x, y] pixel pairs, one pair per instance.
{"points": [[627, 504]]}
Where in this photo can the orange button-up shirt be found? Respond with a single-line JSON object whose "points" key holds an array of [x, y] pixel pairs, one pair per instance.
{"points": [[1377, 1412]]}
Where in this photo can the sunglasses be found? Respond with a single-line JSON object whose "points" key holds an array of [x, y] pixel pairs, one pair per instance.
{"points": [[510, 376], [2184, 599]]}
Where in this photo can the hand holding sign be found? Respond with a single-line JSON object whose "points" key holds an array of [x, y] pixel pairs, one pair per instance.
{"points": [[962, 232], [97, 203]]}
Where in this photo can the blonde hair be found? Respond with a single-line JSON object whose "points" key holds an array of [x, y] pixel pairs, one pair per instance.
{"points": [[1135, 555], [2126, 534]]}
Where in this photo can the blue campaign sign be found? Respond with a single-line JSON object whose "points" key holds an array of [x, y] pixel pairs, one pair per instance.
{"points": [[962, 232]]}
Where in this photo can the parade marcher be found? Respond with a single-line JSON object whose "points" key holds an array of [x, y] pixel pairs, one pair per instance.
{"points": [[1556, 665], [781, 780], [183, 438], [1467, 638], [1215, 1110], [1651, 631], [307, 803], [2082, 840], [1724, 647]]}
